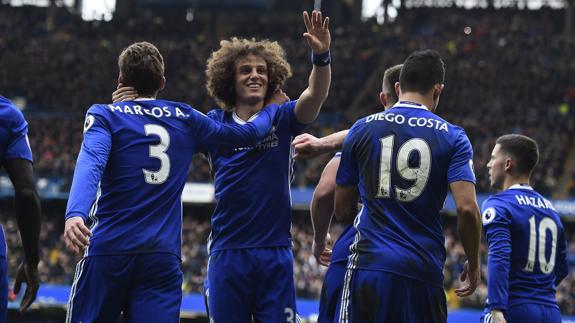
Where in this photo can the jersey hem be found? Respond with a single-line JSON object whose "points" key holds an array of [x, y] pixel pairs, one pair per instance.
{"points": [[120, 253], [402, 275], [251, 247]]}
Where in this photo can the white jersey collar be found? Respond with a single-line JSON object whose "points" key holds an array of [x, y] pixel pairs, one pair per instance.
{"points": [[239, 120], [409, 104], [521, 187]]}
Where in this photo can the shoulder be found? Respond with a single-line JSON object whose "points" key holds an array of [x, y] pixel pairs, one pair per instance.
{"points": [[9, 111], [495, 209], [216, 114]]}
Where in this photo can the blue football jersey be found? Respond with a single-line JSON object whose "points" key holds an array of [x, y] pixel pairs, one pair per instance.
{"points": [[132, 168], [13, 142], [252, 186], [527, 248], [403, 160], [340, 250]]}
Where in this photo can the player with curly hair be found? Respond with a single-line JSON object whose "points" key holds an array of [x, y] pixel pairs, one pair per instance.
{"points": [[250, 270]]}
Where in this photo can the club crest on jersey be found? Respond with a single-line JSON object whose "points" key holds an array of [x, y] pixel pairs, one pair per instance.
{"points": [[89, 122], [488, 216]]}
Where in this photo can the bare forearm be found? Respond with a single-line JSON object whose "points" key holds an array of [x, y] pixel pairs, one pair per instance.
{"points": [[469, 229], [28, 212], [345, 203], [334, 142], [321, 211], [310, 102]]}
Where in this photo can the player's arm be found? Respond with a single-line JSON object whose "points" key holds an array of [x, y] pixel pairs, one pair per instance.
{"points": [[18, 163], [469, 229], [90, 166], [346, 191], [461, 181], [498, 236], [319, 39], [307, 146], [28, 210], [211, 132], [561, 268], [322, 205]]}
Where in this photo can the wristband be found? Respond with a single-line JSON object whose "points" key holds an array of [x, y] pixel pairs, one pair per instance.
{"points": [[322, 59]]}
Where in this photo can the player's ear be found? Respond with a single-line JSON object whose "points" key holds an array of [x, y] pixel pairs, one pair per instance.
{"points": [[437, 89], [120, 79], [383, 99], [397, 88], [508, 164], [162, 83]]}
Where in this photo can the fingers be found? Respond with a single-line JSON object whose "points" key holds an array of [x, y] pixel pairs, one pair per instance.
{"points": [[28, 298], [124, 93], [300, 139], [326, 23], [325, 257], [307, 21], [17, 283], [76, 238]]}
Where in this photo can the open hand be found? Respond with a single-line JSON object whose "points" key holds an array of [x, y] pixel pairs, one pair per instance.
{"points": [[124, 93], [317, 35]]}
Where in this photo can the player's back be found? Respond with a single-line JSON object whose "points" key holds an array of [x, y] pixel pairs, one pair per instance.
{"points": [[406, 158], [138, 207], [537, 241]]}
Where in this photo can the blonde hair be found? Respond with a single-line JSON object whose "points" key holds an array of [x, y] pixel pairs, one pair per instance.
{"points": [[221, 67]]}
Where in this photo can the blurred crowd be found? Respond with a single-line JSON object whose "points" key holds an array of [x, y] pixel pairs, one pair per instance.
{"points": [[507, 71], [57, 264]]}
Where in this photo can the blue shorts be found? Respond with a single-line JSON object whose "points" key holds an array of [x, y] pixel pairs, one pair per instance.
{"points": [[527, 313], [255, 283], [145, 287], [331, 291], [378, 296]]}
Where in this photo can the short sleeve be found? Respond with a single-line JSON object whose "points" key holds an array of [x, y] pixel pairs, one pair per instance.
{"points": [[287, 110], [347, 173], [461, 164], [18, 146]]}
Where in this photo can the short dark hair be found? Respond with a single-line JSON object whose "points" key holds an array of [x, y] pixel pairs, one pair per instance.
{"points": [[421, 71], [142, 66], [522, 149], [390, 77]]}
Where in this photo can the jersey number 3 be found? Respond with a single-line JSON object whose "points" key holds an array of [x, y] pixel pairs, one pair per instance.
{"points": [[419, 174], [158, 151]]}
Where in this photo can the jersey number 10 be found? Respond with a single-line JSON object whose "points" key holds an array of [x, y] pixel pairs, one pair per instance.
{"points": [[545, 265], [419, 174]]}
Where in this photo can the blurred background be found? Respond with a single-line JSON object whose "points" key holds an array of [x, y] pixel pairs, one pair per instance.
{"points": [[510, 69]]}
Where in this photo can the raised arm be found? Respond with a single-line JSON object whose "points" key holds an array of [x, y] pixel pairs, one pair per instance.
{"points": [[307, 146], [214, 133], [319, 39], [322, 205], [469, 229]]}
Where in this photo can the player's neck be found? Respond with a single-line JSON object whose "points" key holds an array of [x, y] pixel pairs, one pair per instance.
{"points": [[417, 98], [246, 111], [510, 181]]}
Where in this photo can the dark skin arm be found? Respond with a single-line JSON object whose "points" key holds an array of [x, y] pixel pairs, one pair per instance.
{"points": [[346, 198], [28, 209]]}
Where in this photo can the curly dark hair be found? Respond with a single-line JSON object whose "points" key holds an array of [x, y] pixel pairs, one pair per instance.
{"points": [[220, 71]]}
